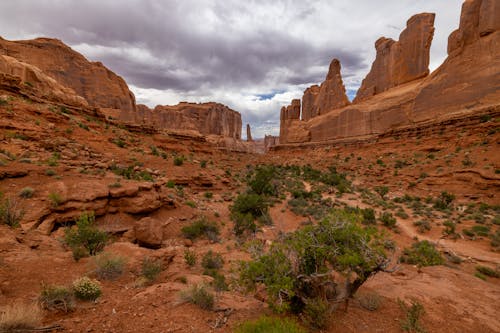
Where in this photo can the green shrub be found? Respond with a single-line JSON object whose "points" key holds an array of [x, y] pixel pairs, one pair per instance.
{"points": [[382, 191], [368, 216], [190, 257], [263, 182], [444, 201], [488, 271], [481, 230], [422, 225], [245, 210], [179, 160], [387, 219], [414, 311], [201, 227], [109, 266], [208, 195], [85, 238], [26, 192], [316, 312], [270, 325], [151, 268], [20, 317], [293, 269], [50, 172], [401, 213], [10, 213], [200, 296], [55, 199], [170, 184], [87, 289], [57, 298], [212, 261], [422, 253], [203, 164]]}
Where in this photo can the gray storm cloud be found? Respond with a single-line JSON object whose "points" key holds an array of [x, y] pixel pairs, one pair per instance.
{"points": [[229, 51]]}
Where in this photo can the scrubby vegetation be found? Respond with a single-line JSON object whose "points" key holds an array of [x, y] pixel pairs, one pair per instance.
{"points": [[20, 317], [298, 270], [201, 227], [270, 325], [85, 238], [87, 289], [422, 253], [109, 266], [57, 298], [199, 295], [10, 212]]}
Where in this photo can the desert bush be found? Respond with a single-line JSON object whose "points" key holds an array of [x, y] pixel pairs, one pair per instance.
{"points": [[315, 313], [109, 266], [444, 201], [57, 298], [450, 228], [270, 325], [387, 219], [382, 191], [488, 271], [55, 199], [368, 216], [85, 239], [212, 261], [20, 317], [10, 212], [414, 311], [422, 253], [151, 268], [370, 301], [190, 257], [27, 192], [201, 227], [401, 213], [422, 225], [179, 160], [263, 181], [495, 239], [199, 295], [87, 289], [298, 268], [481, 230]]}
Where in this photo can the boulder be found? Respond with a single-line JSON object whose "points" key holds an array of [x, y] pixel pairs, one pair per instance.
{"points": [[149, 232]]}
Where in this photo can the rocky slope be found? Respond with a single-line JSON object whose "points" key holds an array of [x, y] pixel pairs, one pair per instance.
{"points": [[91, 80], [397, 93]]}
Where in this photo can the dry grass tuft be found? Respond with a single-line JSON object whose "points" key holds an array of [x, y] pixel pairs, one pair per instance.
{"points": [[20, 316]]}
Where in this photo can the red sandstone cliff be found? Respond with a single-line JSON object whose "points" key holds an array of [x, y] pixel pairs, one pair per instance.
{"points": [[91, 80], [468, 81], [205, 118]]}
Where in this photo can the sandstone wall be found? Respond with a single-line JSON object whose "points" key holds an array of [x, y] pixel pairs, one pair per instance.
{"points": [[205, 118], [468, 80], [91, 80]]}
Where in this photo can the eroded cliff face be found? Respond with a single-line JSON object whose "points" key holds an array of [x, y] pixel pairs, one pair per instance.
{"points": [[91, 80], [205, 118], [467, 82], [402, 61]]}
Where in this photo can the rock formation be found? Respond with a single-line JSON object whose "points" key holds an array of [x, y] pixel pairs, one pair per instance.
{"points": [[31, 81], [309, 100], [249, 133], [205, 118], [398, 93], [270, 141], [91, 80], [402, 61]]}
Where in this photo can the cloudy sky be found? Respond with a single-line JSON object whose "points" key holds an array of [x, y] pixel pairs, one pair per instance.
{"points": [[252, 55]]}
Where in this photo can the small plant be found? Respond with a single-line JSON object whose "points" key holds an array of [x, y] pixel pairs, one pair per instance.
{"points": [[444, 201], [370, 301], [413, 312], [190, 257], [85, 239], [151, 268], [57, 298], [316, 312], [55, 199], [212, 261], [179, 160], [170, 184], [422, 225], [488, 271], [87, 289], [382, 191], [10, 213], [203, 164], [368, 216], [422, 253], [270, 325], [50, 172], [26, 192], [200, 296], [387, 219], [191, 204], [20, 317], [201, 227], [208, 195], [109, 266]]}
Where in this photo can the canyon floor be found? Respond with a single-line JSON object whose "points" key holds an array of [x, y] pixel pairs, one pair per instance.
{"points": [[76, 162]]}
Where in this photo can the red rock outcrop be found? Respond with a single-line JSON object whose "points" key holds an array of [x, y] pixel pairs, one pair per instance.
{"points": [[249, 133], [91, 80], [205, 118], [467, 82], [402, 61], [30, 80], [270, 141], [318, 100]]}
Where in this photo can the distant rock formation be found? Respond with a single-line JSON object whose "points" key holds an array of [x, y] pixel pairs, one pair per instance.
{"points": [[205, 118], [402, 61], [399, 93], [24, 78], [91, 80], [270, 141], [249, 133]]}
